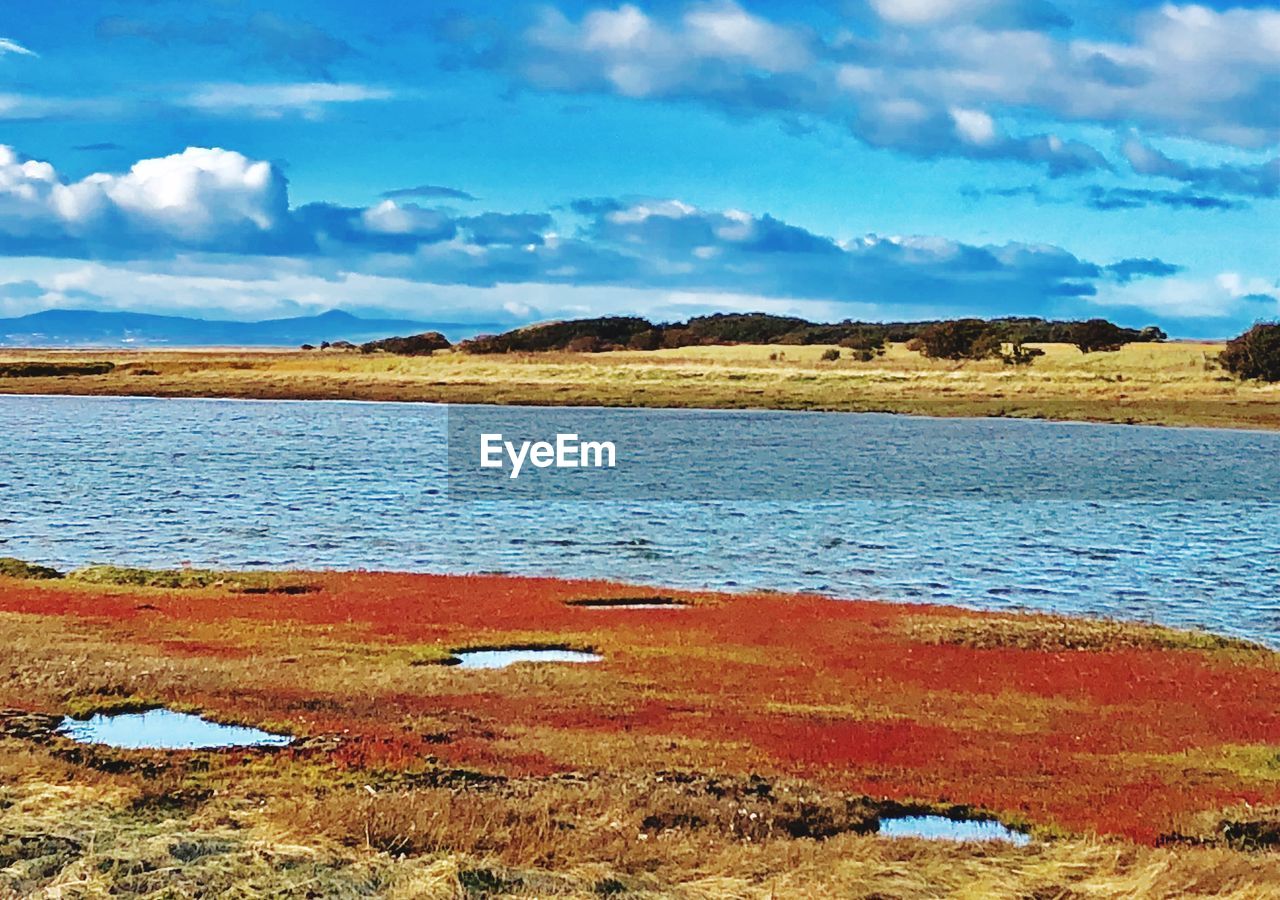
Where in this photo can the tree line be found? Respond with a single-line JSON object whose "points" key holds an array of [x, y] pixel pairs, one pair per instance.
{"points": [[942, 339], [1253, 355]]}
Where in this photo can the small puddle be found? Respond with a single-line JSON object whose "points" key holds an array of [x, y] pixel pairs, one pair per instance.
{"points": [[629, 603], [164, 729], [941, 828], [499, 659]]}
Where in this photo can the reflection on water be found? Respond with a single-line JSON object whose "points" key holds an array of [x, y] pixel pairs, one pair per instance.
{"points": [[632, 605], [942, 828], [1165, 524], [628, 603], [164, 729], [500, 659]]}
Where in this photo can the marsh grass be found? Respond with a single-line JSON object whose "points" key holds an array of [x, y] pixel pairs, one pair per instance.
{"points": [[410, 781], [241, 582], [1051, 633], [1174, 383], [66, 834], [17, 568]]}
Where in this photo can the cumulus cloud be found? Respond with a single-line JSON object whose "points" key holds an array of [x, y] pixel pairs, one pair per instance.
{"points": [[218, 208], [937, 78], [627, 51], [198, 199]]}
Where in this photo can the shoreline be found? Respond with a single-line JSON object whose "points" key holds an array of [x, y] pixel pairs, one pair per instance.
{"points": [[445, 404], [673, 732], [1149, 384]]}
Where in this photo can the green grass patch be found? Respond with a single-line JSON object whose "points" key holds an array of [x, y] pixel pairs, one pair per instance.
{"points": [[1043, 633], [11, 567], [88, 705], [236, 582]]}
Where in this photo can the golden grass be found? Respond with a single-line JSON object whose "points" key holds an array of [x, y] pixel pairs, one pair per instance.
{"points": [[237, 582], [1176, 383], [1053, 634], [62, 835], [638, 815]]}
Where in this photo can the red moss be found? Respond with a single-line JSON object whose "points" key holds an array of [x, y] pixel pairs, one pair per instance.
{"points": [[835, 691]]}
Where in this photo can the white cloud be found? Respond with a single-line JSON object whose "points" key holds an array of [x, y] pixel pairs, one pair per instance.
{"points": [[212, 228], [31, 106], [199, 197], [276, 289], [974, 126], [1228, 295], [937, 75], [638, 56], [725, 30], [13, 47], [925, 12], [276, 100]]}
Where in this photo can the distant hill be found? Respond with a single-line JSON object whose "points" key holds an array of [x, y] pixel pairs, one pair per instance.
{"points": [[87, 328]]}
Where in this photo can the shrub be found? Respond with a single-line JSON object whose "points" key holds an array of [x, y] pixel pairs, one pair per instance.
{"points": [[958, 339], [865, 346], [586, 344], [1254, 354], [830, 355], [1098, 335], [1019, 355], [650, 339], [415, 345], [610, 331], [743, 328]]}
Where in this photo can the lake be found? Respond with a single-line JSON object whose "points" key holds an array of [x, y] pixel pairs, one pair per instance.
{"points": [[1133, 522]]}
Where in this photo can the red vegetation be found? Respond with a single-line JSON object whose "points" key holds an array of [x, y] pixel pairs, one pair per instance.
{"points": [[1116, 741]]}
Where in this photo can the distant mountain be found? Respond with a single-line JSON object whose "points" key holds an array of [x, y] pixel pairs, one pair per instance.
{"points": [[88, 328]]}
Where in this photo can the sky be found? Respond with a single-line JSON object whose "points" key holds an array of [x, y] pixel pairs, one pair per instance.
{"points": [[501, 163]]}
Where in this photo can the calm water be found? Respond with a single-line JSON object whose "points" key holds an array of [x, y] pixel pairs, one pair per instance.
{"points": [[940, 828], [500, 659], [1144, 523], [164, 729]]}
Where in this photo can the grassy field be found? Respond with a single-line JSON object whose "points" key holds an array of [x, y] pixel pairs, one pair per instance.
{"points": [[710, 754], [1170, 384]]}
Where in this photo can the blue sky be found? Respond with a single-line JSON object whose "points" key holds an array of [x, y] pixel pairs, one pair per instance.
{"points": [[502, 163]]}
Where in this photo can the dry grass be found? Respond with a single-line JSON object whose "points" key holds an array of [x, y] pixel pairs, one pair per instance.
{"points": [[1172, 384], [236, 582], [1054, 634], [64, 835], [630, 777]]}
